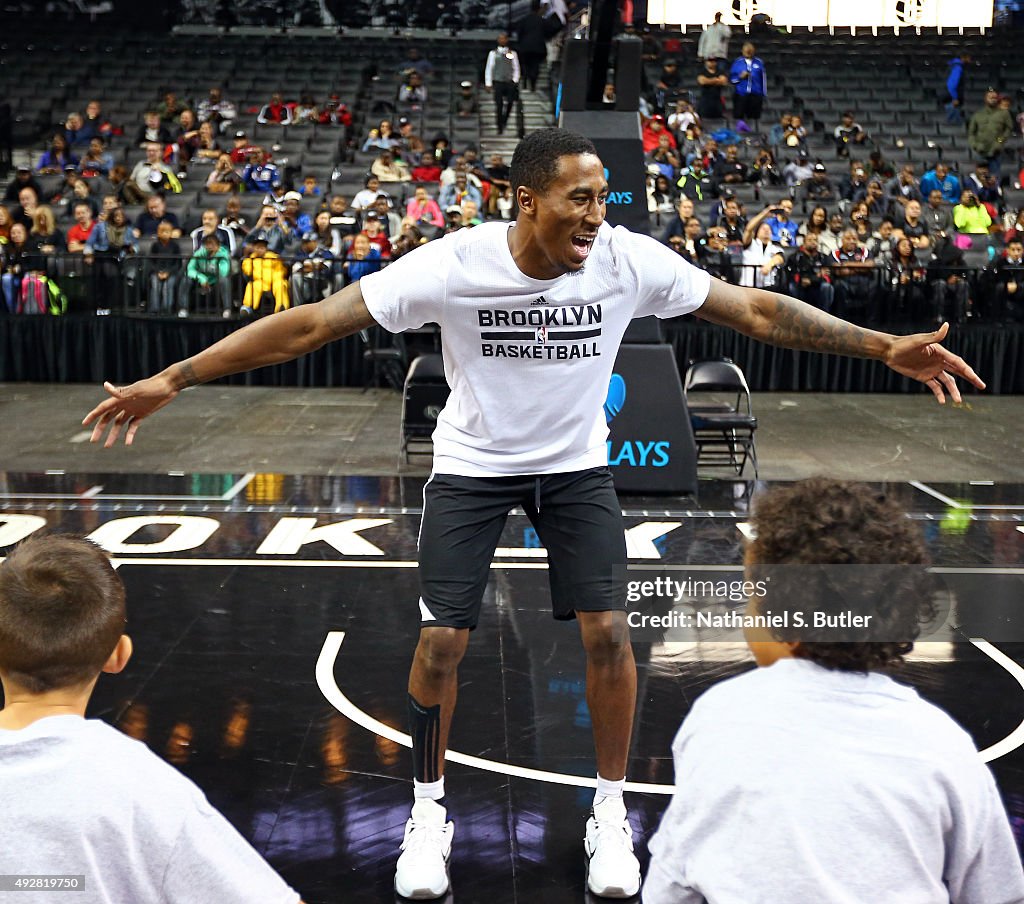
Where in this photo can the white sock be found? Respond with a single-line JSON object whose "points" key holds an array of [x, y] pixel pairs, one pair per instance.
{"points": [[430, 790], [606, 788]]}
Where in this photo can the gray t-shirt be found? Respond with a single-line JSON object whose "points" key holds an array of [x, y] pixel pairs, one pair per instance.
{"points": [[799, 784], [80, 798]]}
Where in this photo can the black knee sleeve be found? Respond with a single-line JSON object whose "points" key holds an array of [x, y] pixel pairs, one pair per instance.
{"points": [[425, 729]]}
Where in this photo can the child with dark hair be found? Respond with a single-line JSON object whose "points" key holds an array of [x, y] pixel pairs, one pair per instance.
{"points": [[79, 798], [815, 777]]}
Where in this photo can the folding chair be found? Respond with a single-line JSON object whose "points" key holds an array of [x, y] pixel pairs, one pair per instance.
{"points": [[425, 394], [723, 431]]}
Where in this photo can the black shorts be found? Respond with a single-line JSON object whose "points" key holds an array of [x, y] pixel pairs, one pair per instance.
{"points": [[747, 106], [576, 515]]}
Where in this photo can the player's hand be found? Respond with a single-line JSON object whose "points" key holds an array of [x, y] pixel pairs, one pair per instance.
{"points": [[126, 408], [920, 357]]}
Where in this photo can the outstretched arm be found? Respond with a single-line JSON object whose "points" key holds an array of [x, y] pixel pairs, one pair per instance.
{"points": [[780, 320], [280, 337]]}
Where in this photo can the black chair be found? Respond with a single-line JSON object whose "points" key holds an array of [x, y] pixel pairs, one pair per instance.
{"points": [[385, 356], [722, 431], [425, 394]]}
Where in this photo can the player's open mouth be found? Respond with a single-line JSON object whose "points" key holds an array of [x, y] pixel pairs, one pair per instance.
{"points": [[582, 243]]}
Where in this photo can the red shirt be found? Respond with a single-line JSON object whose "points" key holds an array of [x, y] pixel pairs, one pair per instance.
{"points": [[426, 174], [381, 241], [77, 234]]}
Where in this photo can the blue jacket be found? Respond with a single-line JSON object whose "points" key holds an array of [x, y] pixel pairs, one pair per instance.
{"points": [[756, 84], [955, 80], [950, 186]]}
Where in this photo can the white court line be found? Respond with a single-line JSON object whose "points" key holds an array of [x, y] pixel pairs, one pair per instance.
{"points": [[238, 486], [935, 494], [336, 697], [93, 491]]}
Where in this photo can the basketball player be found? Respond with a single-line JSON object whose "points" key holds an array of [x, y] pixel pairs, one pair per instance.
{"points": [[531, 317]]}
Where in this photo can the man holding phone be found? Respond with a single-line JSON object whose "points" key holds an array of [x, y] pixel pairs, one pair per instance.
{"points": [[783, 228]]}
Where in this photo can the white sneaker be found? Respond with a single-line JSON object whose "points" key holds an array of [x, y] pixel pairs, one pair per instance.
{"points": [[612, 869], [422, 871]]}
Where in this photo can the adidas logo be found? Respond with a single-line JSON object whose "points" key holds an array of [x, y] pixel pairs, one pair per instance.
{"points": [[541, 300]]}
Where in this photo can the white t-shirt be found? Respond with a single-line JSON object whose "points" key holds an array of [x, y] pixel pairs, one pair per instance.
{"points": [[80, 798], [800, 784], [528, 360], [755, 255]]}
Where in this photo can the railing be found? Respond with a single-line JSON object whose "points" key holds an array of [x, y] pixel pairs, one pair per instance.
{"points": [[140, 285]]}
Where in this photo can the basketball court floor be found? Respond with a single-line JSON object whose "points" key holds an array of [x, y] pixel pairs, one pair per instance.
{"points": [[274, 617]]}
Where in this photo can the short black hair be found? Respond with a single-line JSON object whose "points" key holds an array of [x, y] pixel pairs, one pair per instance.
{"points": [[535, 161]]}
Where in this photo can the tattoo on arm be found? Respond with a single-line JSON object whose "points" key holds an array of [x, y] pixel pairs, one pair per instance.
{"points": [[187, 374], [343, 315], [794, 324]]}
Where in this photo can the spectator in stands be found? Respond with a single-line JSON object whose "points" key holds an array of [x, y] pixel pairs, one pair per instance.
{"points": [[936, 213], [148, 222], [501, 77], [831, 238], [335, 112], [152, 130], [80, 192], [292, 218], [211, 226], [259, 174], [412, 93], [711, 81], [374, 231], [902, 188], [28, 203], [19, 261], [233, 220], [912, 225], [217, 110], [820, 187], [152, 171], [23, 178], [498, 174], [1008, 282], [326, 234], [470, 214], [82, 229], [715, 256], [424, 210], [988, 131], [266, 273], [942, 179], [533, 32], [750, 86], [733, 223], [271, 226], [362, 258], [777, 133], [694, 182], [956, 84], [5, 224], [809, 274], [112, 241], [794, 135], [798, 171], [223, 177], [389, 169], [653, 130], [683, 122], [904, 278], [970, 217], [879, 168], [95, 121], [96, 161], [56, 158], [677, 226], [860, 222], [312, 277], [186, 138], [1015, 228], [665, 158], [764, 170], [459, 191], [847, 133], [853, 279], [815, 224], [165, 269], [691, 242], [428, 169], [780, 220], [415, 62], [365, 198], [124, 187], [878, 205], [207, 149], [660, 197], [310, 187], [441, 149], [383, 138], [730, 171], [77, 132], [389, 220], [668, 86], [762, 258], [277, 112], [243, 149], [990, 194], [209, 272], [853, 187], [47, 238], [882, 241], [306, 112], [464, 104], [170, 109], [947, 274], [713, 43]]}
